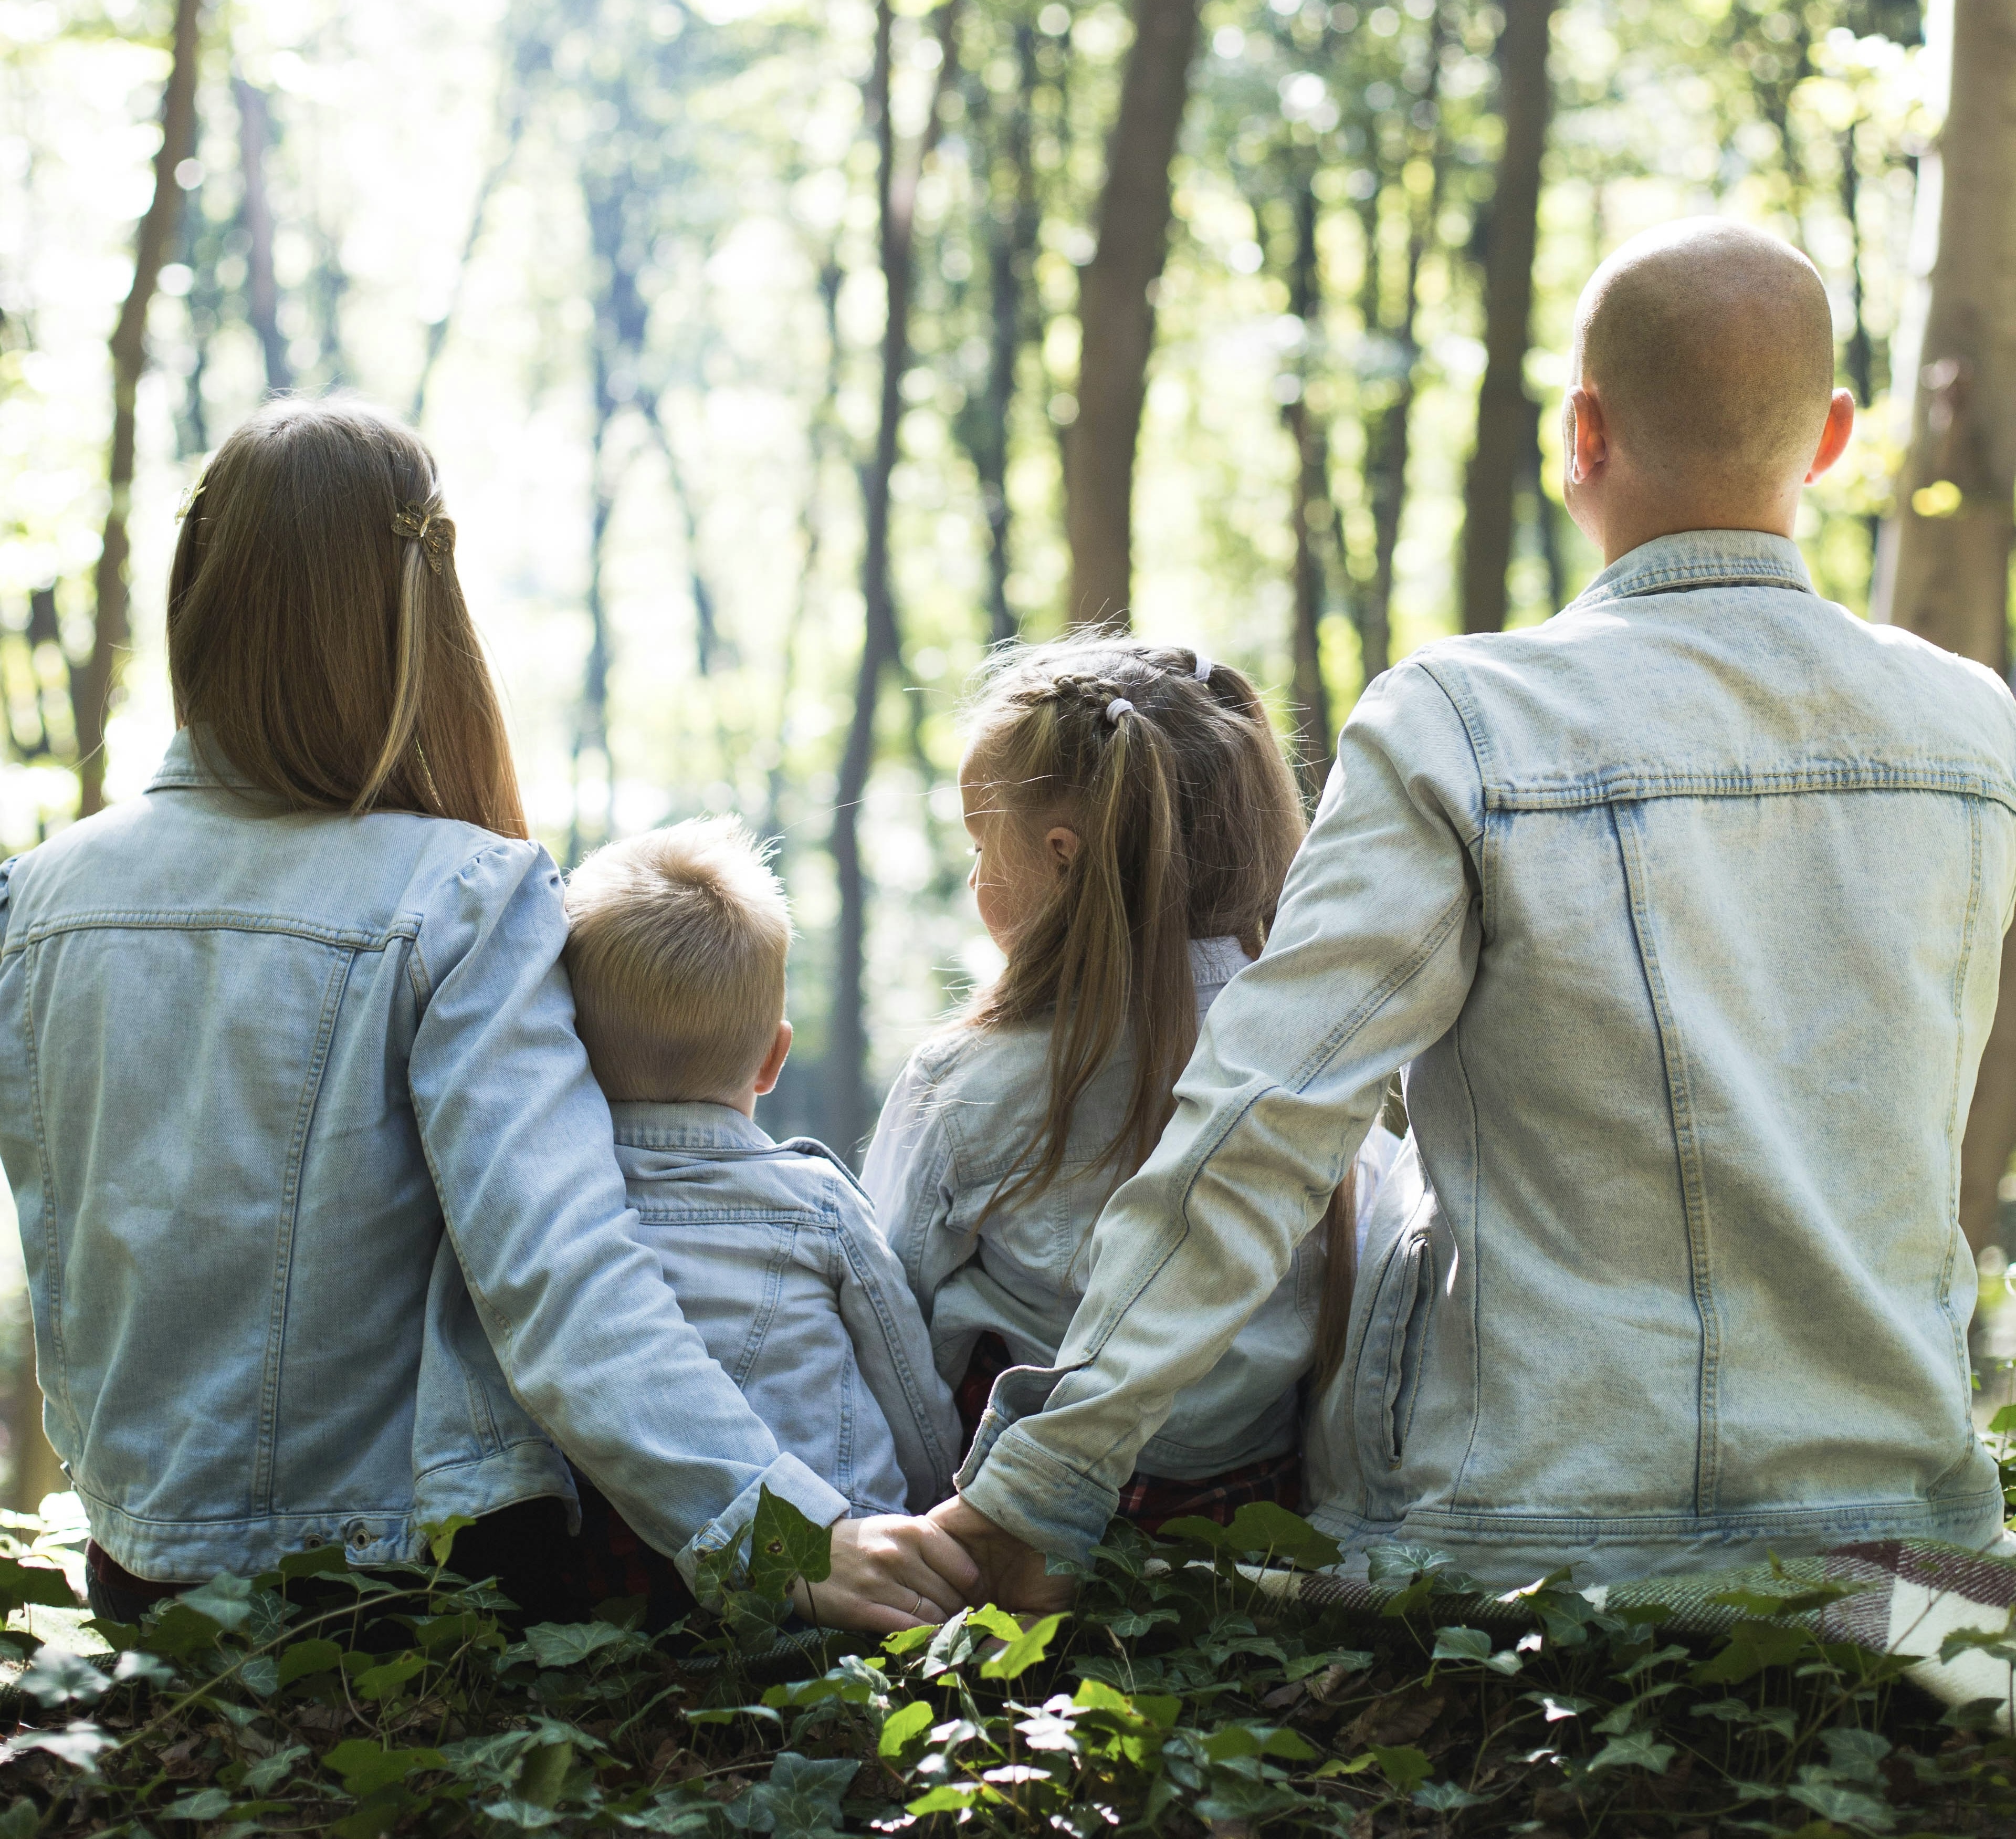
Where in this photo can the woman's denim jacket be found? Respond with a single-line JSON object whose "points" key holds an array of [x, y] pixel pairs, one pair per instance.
{"points": [[773, 1252], [957, 1122], [326, 1237], [1686, 908]]}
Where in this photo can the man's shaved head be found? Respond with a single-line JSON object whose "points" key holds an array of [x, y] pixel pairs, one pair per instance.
{"points": [[1710, 347]]}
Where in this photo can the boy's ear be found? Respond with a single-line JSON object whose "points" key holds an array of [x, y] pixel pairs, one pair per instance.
{"points": [[1587, 435], [773, 1062], [1833, 437]]}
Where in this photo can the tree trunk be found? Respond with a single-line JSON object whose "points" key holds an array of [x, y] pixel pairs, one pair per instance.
{"points": [[1946, 567], [1315, 515], [93, 683], [1504, 413], [1117, 315], [262, 291], [881, 647]]}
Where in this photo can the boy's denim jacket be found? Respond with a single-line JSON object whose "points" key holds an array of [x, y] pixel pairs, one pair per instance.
{"points": [[326, 1237], [1686, 907], [774, 1254], [958, 1121]]}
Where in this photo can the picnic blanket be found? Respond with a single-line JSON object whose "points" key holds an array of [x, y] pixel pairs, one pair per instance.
{"points": [[1906, 1596]]}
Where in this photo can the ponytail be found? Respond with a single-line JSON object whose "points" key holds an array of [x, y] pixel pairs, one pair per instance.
{"points": [[1187, 817]]}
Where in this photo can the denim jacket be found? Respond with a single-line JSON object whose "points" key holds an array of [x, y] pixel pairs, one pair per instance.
{"points": [[774, 1254], [1685, 908], [326, 1237], [961, 1116]]}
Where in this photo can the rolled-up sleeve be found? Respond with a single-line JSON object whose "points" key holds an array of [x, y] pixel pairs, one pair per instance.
{"points": [[1370, 961], [589, 1335]]}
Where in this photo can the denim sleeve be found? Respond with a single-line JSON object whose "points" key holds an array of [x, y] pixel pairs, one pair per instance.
{"points": [[1370, 961], [517, 1136], [894, 1351], [904, 1173]]}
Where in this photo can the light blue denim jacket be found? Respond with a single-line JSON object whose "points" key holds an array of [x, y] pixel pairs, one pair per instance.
{"points": [[326, 1237], [957, 1122], [1685, 908], [773, 1252]]}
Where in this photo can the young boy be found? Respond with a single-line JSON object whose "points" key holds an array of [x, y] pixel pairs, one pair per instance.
{"points": [[1686, 909], [676, 946]]}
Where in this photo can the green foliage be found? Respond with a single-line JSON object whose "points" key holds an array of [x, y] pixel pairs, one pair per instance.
{"points": [[1177, 1696]]}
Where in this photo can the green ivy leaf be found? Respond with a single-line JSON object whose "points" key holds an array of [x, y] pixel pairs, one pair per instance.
{"points": [[1401, 1765], [206, 1804], [267, 1774], [225, 1600], [1446, 1797], [317, 1561], [951, 1799], [440, 1535], [382, 1682], [784, 1546], [1844, 1806], [1461, 1644], [41, 1585], [1752, 1647], [1637, 1749], [1029, 1645], [902, 1728], [56, 1677], [365, 1767], [303, 1658], [1265, 1527], [568, 1644]]}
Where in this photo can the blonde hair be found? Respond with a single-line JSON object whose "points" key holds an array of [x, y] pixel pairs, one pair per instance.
{"points": [[326, 655], [1187, 817], [676, 944]]}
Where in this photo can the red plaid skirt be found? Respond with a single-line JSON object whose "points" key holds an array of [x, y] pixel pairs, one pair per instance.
{"points": [[1148, 1500]]}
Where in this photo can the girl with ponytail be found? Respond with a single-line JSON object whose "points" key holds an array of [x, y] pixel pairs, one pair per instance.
{"points": [[1133, 820]]}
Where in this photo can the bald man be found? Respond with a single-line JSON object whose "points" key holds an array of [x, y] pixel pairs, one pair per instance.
{"points": [[1683, 913]]}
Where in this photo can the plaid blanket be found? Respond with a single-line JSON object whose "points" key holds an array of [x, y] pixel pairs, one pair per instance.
{"points": [[1907, 1596]]}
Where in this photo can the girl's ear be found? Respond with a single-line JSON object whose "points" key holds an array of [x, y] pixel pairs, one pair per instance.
{"points": [[1063, 845]]}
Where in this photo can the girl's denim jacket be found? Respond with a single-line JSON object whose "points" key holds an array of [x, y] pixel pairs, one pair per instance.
{"points": [[326, 1237], [1687, 909], [956, 1123], [774, 1254]]}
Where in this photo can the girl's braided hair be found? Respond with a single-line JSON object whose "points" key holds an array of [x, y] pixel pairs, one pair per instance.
{"points": [[1187, 816]]}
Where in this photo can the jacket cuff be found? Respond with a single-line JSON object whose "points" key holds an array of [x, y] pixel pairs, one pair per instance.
{"points": [[1020, 1485], [788, 1479]]}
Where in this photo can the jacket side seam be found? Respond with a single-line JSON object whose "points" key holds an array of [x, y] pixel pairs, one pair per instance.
{"points": [[51, 1197]]}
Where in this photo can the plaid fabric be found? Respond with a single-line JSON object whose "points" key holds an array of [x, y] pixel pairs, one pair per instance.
{"points": [[1147, 1500]]}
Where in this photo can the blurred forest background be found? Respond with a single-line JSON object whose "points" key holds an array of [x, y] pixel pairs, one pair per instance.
{"points": [[781, 358]]}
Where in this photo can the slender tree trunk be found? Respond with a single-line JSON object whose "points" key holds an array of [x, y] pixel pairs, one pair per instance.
{"points": [[262, 290], [1371, 609], [1390, 436], [1947, 565], [1315, 516], [881, 647], [1116, 313], [1504, 413], [93, 683]]}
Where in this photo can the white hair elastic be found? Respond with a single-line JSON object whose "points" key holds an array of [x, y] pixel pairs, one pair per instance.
{"points": [[1204, 668], [1117, 708]]}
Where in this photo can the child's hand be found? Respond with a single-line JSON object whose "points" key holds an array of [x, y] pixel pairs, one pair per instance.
{"points": [[1012, 1575], [889, 1572]]}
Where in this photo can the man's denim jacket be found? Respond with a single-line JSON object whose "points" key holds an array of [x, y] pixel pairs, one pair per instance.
{"points": [[958, 1123], [773, 1252], [1686, 908], [326, 1237]]}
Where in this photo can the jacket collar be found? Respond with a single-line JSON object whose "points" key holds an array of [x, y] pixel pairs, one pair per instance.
{"points": [[1701, 558], [185, 767], [691, 1125]]}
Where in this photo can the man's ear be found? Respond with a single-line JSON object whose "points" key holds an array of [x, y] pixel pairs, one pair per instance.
{"points": [[1587, 435], [1833, 437], [1063, 845], [773, 1062]]}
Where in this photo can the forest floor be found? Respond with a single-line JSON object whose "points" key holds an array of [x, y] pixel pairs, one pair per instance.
{"points": [[1175, 1698]]}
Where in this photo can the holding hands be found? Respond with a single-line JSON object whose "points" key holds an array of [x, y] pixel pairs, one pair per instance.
{"points": [[891, 1571]]}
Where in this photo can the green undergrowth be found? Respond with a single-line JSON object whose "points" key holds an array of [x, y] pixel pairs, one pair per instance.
{"points": [[1175, 1697]]}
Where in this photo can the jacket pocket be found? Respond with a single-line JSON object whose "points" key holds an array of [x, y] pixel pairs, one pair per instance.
{"points": [[1390, 1364]]}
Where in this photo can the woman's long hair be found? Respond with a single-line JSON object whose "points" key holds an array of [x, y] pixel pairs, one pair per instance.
{"points": [[318, 639], [1187, 817]]}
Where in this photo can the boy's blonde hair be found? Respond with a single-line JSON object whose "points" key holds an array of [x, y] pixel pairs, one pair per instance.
{"points": [[676, 944]]}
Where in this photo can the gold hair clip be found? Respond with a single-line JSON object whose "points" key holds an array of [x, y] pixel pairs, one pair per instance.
{"points": [[429, 529], [189, 499]]}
